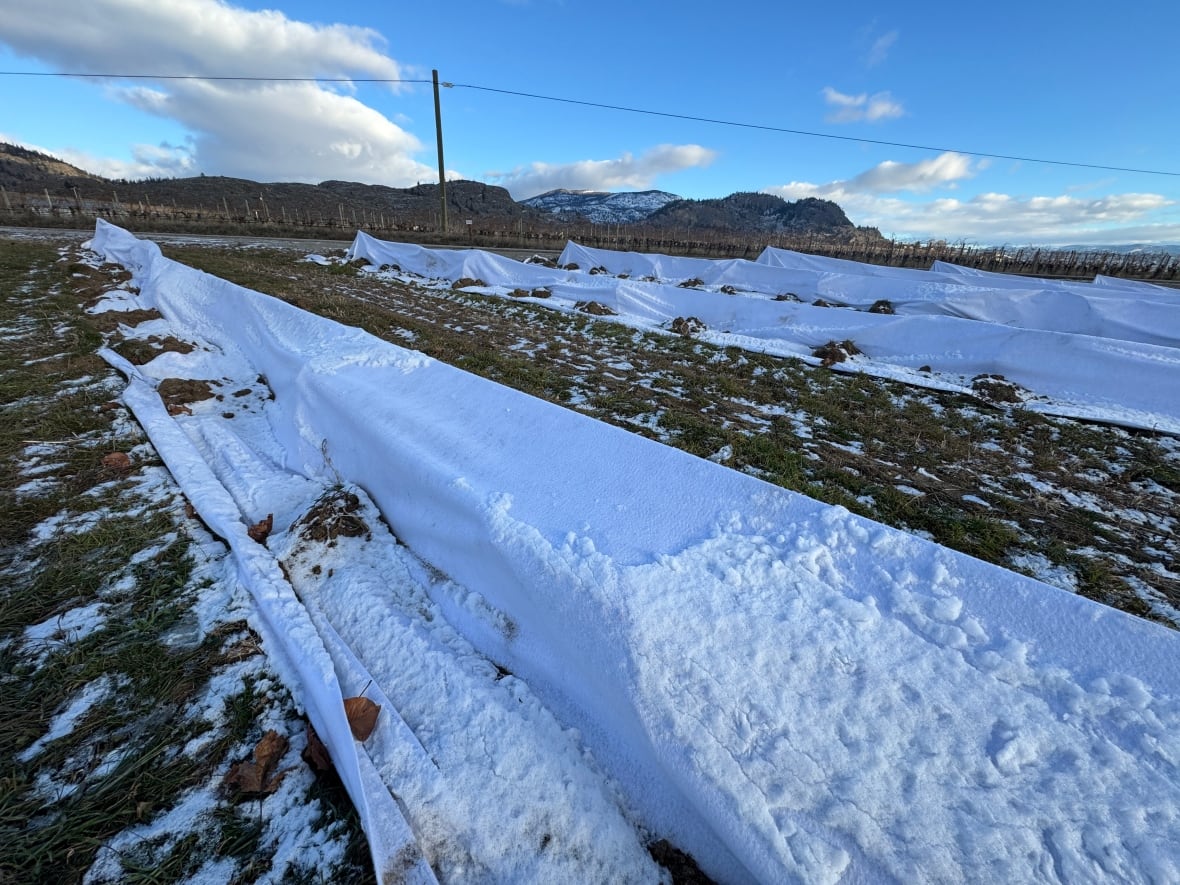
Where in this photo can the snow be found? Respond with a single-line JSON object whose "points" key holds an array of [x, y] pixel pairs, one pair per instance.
{"points": [[64, 629], [63, 723], [785, 690], [1101, 353]]}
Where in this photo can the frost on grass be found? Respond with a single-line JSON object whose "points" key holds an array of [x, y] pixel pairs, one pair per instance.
{"points": [[129, 670]]}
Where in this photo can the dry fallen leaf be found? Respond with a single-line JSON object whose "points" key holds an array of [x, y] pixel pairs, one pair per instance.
{"points": [[256, 778], [117, 461], [315, 753], [362, 716], [260, 531]]}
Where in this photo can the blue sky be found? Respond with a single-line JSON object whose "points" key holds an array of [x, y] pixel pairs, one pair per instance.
{"points": [[1094, 85]]}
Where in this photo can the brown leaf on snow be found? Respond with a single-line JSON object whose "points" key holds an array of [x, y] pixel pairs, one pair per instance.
{"points": [[315, 753], [253, 779], [362, 716], [116, 461], [260, 531]]}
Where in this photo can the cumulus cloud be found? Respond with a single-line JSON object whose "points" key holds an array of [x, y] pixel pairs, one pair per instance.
{"points": [[627, 171], [268, 131], [945, 170], [855, 108], [879, 51], [988, 217]]}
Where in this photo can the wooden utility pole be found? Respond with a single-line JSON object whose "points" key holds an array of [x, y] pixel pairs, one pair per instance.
{"points": [[442, 169]]}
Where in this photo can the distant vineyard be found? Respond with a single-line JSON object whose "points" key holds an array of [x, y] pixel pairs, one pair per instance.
{"points": [[258, 217]]}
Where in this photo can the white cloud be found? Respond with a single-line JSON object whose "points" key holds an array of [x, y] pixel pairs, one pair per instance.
{"points": [[945, 170], [147, 160], [287, 132], [854, 108], [880, 48], [993, 217], [267, 131], [627, 171]]}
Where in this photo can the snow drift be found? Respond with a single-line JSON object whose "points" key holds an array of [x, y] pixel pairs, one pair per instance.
{"points": [[786, 690]]}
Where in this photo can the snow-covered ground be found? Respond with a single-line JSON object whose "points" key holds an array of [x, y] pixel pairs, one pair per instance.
{"points": [[1106, 351], [585, 639]]}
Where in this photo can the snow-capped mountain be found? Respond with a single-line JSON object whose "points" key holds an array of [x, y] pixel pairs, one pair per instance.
{"points": [[601, 207]]}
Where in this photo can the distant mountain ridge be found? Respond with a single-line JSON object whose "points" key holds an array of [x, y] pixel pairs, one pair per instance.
{"points": [[24, 171], [602, 207], [30, 172], [741, 211]]}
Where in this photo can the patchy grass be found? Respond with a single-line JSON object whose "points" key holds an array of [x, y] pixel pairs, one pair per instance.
{"points": [[107, 674]]}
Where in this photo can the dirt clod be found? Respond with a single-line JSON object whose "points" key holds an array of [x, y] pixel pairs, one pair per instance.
{"points": [[997, 389], [687, 326], [594, 308], [835, 352], [179, 393], [467, 282]]}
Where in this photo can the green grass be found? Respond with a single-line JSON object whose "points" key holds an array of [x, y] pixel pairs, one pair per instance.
{"points": [[134, 554]]}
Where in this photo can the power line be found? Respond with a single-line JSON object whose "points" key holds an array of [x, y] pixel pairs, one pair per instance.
{"points": [[831, 135], [610, 107], [204, 77]]}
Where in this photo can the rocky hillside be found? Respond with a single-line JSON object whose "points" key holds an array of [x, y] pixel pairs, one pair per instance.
{"points": [[23, 170], [738, 212], [602, 207], [760, 212]]}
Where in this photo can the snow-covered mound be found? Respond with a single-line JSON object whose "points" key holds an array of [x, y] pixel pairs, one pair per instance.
{"points": [[785, 690], [1100, 352]]}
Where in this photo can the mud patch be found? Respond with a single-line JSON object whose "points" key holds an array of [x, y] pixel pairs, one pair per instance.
{"points": [[113, 319], [179, 393], [140, 351]]}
